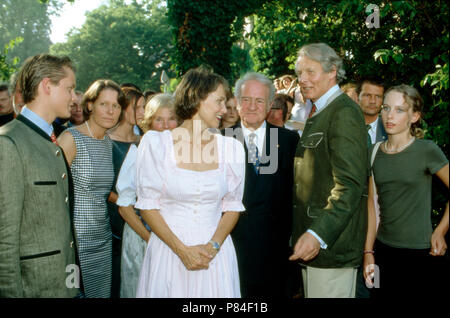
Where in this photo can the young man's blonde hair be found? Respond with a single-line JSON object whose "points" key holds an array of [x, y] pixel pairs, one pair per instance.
{"points": [[38, 67]]}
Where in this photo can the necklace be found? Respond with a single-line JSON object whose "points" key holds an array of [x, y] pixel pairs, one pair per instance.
{"points": [[90, 133], [399, 148]]}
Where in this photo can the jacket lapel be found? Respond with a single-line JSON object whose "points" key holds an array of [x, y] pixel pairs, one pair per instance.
{"points": [[381, 133], [265, 155]]}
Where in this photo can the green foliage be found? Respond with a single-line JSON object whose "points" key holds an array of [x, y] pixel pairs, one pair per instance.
{"points": [[29, 20], [204, 33], [241, 61], [411, 45], [7, 69], [125, 43]]}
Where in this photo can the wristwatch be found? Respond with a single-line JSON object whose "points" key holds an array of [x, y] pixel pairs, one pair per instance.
{"points": [[215, 245]]}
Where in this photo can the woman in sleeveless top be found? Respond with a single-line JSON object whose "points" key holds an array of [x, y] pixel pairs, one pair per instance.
{"points": [[89, 153], [122, 136], [405, 248], [159, 115]]}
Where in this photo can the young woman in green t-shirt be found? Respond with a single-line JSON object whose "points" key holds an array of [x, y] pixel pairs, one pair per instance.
{"points": [[404, 247]]}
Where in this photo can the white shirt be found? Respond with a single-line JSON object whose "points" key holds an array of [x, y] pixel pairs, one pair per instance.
{"points": [[373, 131], [126, 181], [321, 103], [260, 136], [300, 111], [136, 130]]}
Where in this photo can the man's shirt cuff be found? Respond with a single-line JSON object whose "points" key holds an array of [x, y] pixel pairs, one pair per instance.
{"points": [[323, 245]]}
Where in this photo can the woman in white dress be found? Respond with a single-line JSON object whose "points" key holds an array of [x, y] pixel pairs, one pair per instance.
{"points": [[159, 115], [190, 183]]}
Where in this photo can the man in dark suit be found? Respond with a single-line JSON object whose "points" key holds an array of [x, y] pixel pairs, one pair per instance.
{"points": [[262, 234], [331, 173], [37, 248], [370, 92]]}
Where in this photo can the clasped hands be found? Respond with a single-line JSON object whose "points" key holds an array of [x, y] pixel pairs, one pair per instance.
{"points": [[198, 256], [306, 248]]}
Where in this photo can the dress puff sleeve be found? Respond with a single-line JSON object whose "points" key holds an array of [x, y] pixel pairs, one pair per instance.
{"points": [[126, 181], [149, 171], [234, 154]]}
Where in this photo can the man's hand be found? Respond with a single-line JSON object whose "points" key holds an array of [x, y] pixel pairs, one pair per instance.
{"points": [[307, 248]]}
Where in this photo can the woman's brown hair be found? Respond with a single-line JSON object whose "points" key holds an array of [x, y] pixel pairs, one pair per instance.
{"points": [[194, 88], [93, 92]]}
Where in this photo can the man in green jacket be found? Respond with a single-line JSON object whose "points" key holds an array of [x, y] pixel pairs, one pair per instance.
{"points": [[330, 183]]}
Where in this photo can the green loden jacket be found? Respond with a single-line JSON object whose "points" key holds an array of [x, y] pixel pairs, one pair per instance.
{"points": [[330, 183]]}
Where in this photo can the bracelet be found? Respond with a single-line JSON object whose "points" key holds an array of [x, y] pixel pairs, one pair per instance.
{"points": [[369, 252]]}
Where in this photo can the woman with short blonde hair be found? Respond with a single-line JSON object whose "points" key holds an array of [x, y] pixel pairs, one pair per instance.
{"points": [[154, 118]]}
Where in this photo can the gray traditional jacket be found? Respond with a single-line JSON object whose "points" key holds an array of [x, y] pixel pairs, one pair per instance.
{"points": [[36, 239]]}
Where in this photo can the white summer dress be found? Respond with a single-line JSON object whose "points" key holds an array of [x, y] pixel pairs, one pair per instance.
{"points": [[191, 204], [133, 246]]}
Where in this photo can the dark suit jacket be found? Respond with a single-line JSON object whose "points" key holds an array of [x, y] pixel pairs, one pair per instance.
{"points": [[58, 128], [331, 173], [381, 132], [36, 238], [262, 234]]}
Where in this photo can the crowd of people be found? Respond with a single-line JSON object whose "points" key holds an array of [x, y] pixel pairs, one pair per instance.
{"points": [[285, 188]]}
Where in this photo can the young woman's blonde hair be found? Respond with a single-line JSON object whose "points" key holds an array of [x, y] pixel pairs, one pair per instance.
{"points": [[154, 104]]}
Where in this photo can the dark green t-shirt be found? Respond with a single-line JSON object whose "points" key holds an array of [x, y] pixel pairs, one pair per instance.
{"points": [[403, 183]]}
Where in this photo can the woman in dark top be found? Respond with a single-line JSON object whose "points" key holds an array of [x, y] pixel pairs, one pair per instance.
{"points": [[122, 137], [405, 247]]}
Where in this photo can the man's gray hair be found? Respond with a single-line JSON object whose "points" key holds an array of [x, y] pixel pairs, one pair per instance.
{"points": [[255, 77], [325, 55]]}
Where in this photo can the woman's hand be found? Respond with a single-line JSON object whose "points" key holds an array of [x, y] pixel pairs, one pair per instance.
{"points": [[210, 249], [113, 197], [369, 268], [195, 257], [438, 244]]}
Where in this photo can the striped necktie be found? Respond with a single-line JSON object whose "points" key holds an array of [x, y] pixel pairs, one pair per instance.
{"points": [[253, 152], [313, 110]]}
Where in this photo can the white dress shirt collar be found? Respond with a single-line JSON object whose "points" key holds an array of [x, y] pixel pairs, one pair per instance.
{"points": [[321, 103]]}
